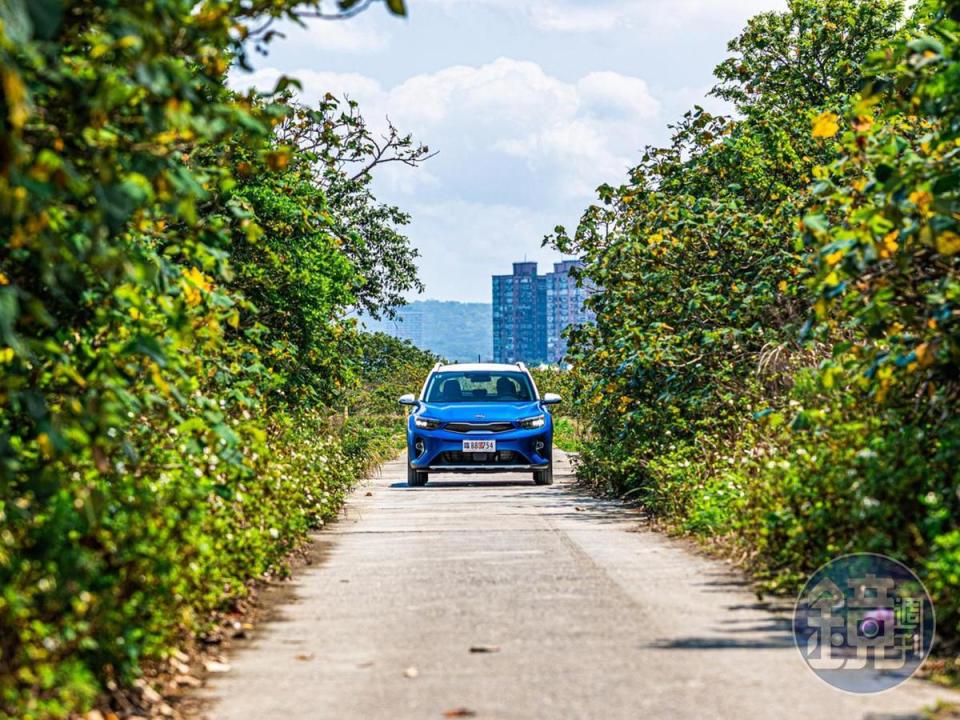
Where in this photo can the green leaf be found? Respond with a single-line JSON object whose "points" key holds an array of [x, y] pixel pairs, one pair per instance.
{"points": [[285, 82], [147, 345], [926, 44], [816, 222]]}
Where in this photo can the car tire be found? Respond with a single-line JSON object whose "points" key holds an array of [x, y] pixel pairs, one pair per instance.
{"points": [[416, 478], [544, 477]]}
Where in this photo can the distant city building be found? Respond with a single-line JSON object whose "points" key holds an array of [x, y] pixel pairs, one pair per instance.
{"points": [[408, 325], [565, 307], [520, 315], [456, 331], [530, 312]]}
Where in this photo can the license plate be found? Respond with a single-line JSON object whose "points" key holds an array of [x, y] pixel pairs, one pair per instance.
{"points": [[480, 446]]}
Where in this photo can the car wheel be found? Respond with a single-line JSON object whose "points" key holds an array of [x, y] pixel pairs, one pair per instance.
{"points": [[544, 477], [415, 478]]}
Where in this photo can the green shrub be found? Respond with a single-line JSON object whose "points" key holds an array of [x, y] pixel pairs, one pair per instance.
{"points": [[173, 372], [774, 365]]}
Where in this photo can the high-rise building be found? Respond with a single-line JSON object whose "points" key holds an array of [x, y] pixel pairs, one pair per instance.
{"points": [[565, 307], [520, 315], [407, 325], [530, 312]]}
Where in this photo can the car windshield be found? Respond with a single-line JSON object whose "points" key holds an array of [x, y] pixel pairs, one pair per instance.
{"points": [[454, 387]]}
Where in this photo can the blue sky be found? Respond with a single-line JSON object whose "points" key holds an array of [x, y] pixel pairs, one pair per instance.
{"points": [[531, 105]]}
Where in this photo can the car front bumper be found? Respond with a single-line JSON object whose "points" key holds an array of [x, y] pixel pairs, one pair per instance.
{"points": [[517, 451]]}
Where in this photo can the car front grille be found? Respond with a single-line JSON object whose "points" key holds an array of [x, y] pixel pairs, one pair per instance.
{"points": [[504, 457], [478, 427]]}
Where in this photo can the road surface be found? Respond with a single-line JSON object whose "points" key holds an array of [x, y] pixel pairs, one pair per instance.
{"points": [[582, 611]]}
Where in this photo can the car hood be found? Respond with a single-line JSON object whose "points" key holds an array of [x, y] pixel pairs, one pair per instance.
{"points": [[491, 412]]}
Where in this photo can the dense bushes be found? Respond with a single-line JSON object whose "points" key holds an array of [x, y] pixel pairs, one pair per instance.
{"points": [[775, 362], [178, 389], [568, 423]]}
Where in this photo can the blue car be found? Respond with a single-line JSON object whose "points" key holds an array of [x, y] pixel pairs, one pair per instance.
{"points": [[479, 418]]}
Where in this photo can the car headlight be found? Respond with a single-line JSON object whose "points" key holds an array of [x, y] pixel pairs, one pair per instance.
{"points": [[533, 423], [426, 423]]}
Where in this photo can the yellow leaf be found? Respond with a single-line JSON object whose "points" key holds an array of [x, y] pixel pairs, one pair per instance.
{"points": [[835, 257], [782, 285], [863, 123], [948, 243], [16, 93], [921, 198], [825, 125], [46, 447], [890, 244], [195, 282], [4, 280]]}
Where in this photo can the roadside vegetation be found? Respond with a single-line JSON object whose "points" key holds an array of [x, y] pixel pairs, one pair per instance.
{"points": [[568, 424], [775, 365], [181, 396]]}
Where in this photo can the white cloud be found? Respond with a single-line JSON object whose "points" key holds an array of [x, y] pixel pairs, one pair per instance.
{"points": [[519, 152], [613, 94], [553, 16], [571, 135]]}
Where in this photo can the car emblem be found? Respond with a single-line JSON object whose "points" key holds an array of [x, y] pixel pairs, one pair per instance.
{"points": [[479, 416]]}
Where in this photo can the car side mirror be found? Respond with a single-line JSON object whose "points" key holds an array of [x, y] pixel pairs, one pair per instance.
{"points": [[550, 399], [408, 399]]}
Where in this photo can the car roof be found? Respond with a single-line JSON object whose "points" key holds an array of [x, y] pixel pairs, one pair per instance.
{"points": [[479, 367]]}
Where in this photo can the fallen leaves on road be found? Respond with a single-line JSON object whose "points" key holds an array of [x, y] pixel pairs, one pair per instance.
{"points": [[459, 712], [305, 656], [484, 648], [148, 693], [239, 629], [369, 494], [212, 666]]}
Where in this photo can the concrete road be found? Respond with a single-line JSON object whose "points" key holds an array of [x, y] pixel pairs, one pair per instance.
{"points": [[590, 616]]}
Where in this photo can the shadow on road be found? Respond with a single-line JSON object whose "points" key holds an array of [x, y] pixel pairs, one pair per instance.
{"points": [[448, 484], [723, 643]]}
